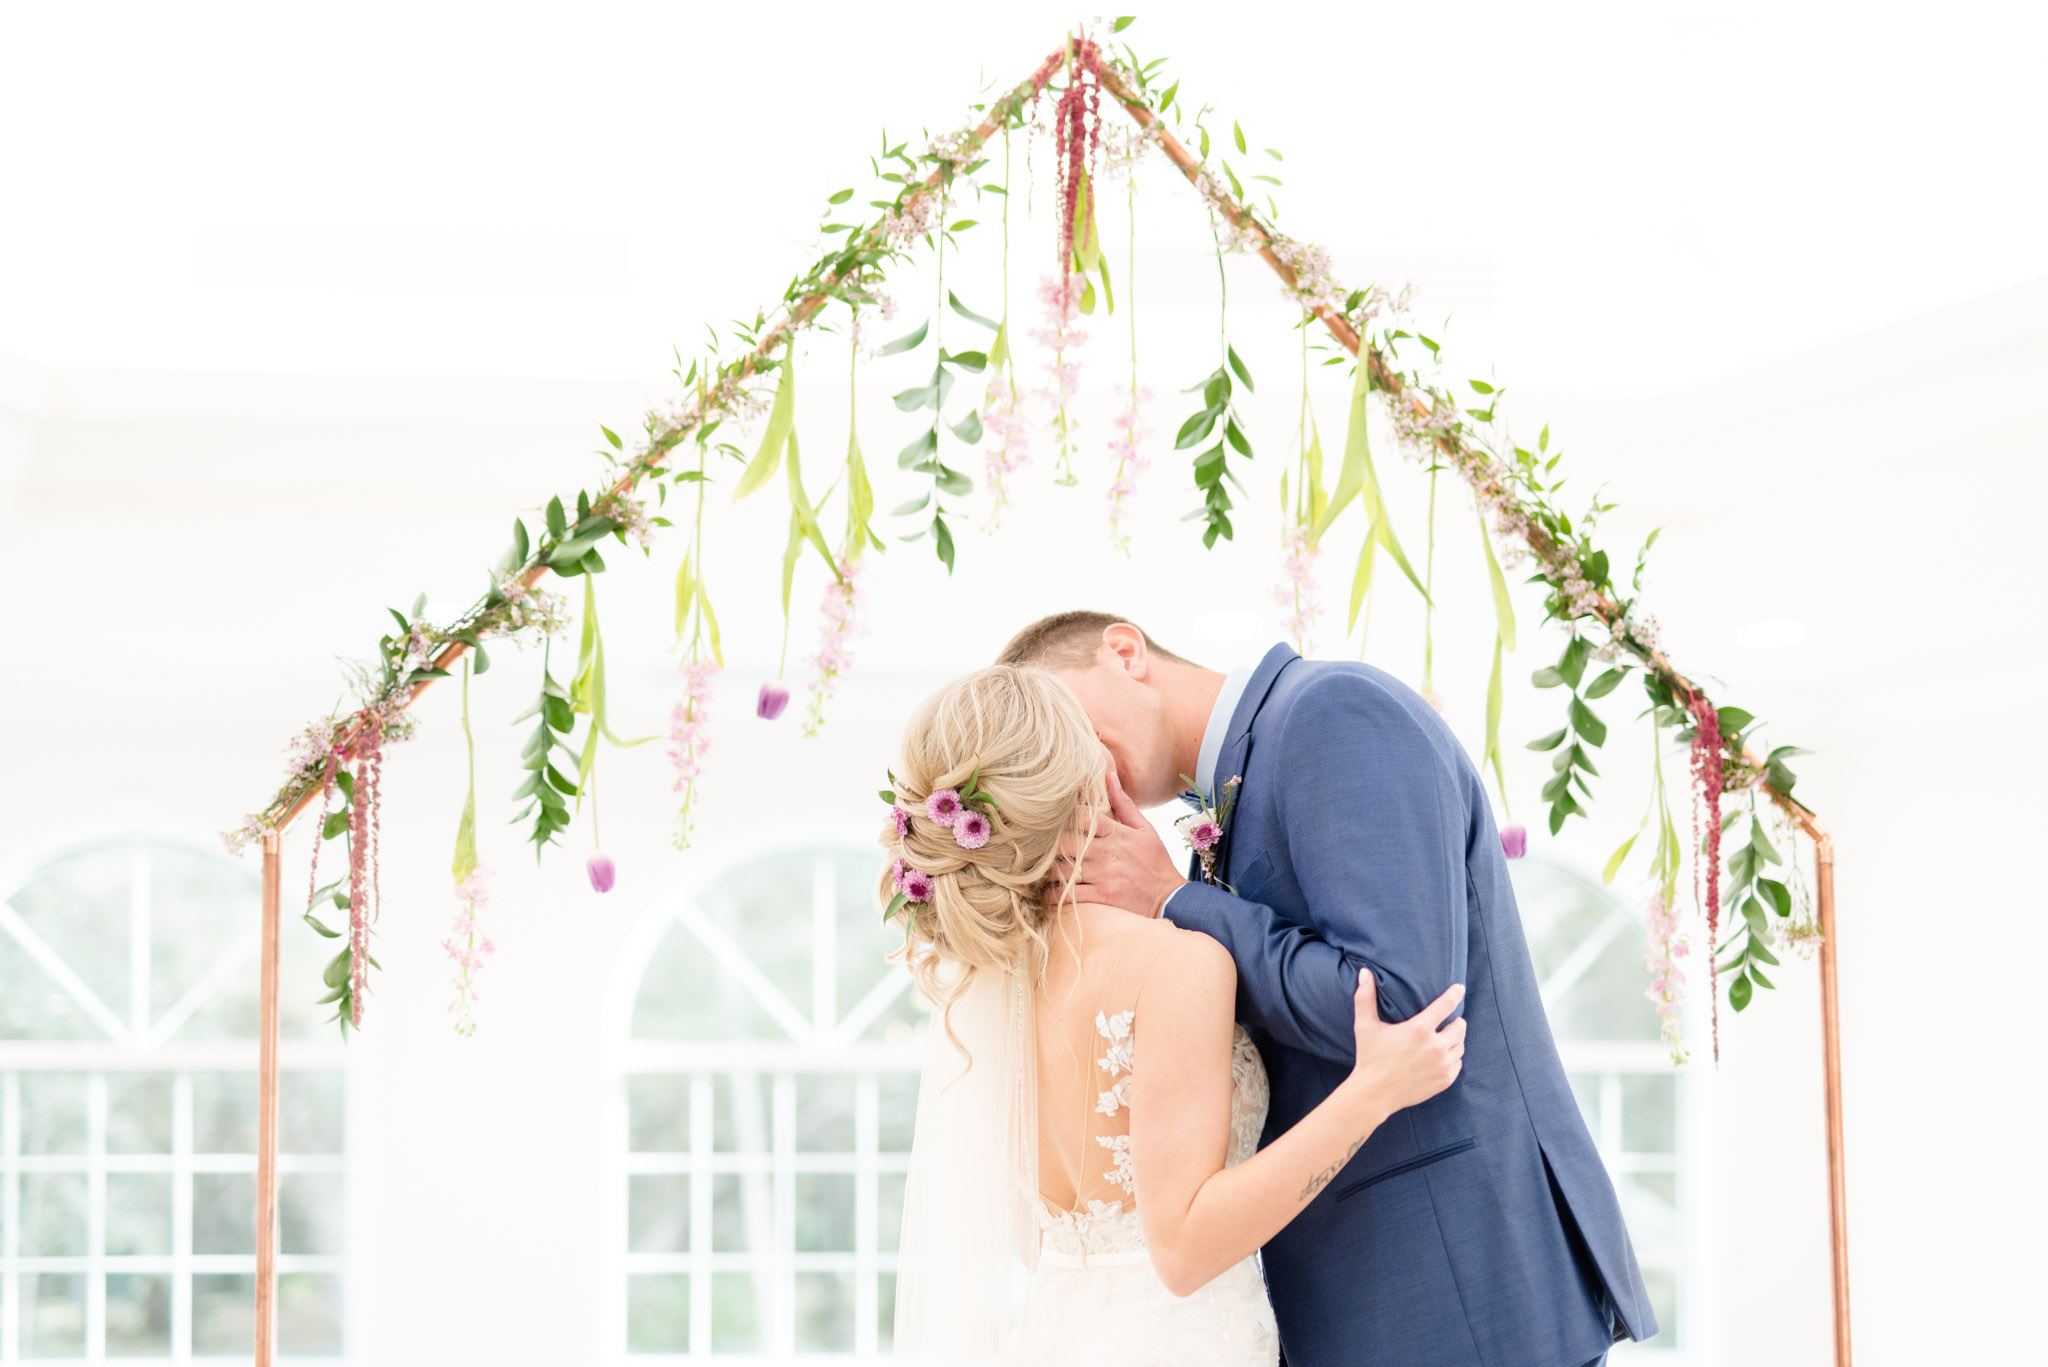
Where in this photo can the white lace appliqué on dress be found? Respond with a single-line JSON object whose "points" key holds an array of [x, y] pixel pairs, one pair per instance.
{"points": [[1096, 1297]]}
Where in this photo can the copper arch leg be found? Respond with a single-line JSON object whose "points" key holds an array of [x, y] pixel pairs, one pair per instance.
{"points": [[1831, 1046], [266, 1115]]}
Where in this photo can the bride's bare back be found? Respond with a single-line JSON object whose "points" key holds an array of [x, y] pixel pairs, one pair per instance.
{"points": [[1101, 963]]}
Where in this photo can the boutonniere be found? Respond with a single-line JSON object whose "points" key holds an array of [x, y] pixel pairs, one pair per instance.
{"points": [[1203, 828]]}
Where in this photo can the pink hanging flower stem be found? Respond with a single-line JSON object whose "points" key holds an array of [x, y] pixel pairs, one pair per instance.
{"points": [[835, 641], [1667, 986], [1707, 780], [468, 947], [689, 736], [319, 833]]}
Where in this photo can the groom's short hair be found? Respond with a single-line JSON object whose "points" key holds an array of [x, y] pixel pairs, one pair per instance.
{"points": [[1070, 640]]}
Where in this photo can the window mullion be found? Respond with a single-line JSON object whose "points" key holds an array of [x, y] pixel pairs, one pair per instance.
{"points": [[10, 1216], [96, 1217], [824, 948], [783, 1255], [700, 1213], [866, 1295], [138, 945], [181, 1216]]}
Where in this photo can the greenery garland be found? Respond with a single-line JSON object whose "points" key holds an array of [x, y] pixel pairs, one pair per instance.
{"points": [[1515, 489]]}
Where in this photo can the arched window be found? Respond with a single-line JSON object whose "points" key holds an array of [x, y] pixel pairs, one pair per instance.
{"points": [[128, 1028], [1588, 949], [768, 1087]]}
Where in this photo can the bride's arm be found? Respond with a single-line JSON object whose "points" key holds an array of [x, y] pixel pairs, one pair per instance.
{"points": [[1200, 1217]]}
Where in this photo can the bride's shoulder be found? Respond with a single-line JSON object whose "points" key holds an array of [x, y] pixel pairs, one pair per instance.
{"points": [[1190, 992], [1189, 957], [1183, 958], [1180, 959]]}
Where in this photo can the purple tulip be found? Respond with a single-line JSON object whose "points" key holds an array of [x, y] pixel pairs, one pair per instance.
{"points": [[603, 873], [1514, 840], [774, 697]]}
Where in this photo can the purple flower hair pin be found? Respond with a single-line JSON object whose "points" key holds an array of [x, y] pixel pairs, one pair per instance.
{"points": [[960, 810], [913, 886], [956, 808], [953, 808]]}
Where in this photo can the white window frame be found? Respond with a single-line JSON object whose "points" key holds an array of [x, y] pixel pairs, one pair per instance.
{"points": [[137, 1043], [821, 1040]]}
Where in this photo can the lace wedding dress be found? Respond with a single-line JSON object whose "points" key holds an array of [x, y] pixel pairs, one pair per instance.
{"points": [[1095, 1297]]}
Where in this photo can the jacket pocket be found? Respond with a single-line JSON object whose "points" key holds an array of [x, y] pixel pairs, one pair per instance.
{"points": [[1410, 1165]]}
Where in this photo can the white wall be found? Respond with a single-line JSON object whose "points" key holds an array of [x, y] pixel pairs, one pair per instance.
{"points": [[192, 549]]}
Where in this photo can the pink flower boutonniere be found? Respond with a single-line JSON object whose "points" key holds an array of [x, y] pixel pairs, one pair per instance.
{"points": [[1203, 828]]}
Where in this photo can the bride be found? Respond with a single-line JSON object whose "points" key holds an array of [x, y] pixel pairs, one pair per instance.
{"points": [[1089, 1118]]}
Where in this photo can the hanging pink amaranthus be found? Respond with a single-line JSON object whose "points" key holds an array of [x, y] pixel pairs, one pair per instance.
{"points": [[363, 829], [1077, 134], [1706, 786]]}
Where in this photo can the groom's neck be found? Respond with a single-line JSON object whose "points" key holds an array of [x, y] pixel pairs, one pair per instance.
{"points": [[1191, 693]]}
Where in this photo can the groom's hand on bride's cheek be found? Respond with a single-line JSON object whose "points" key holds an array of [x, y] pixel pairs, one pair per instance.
{"points": [[1125, 863]]}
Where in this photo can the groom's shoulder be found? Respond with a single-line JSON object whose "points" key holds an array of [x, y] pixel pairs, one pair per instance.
{"points": [[1316, 688]]}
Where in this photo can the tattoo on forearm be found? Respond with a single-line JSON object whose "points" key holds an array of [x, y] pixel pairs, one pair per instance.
{"points": [[1328, 1175]]}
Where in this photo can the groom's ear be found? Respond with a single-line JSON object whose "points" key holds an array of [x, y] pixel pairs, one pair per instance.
{"points": [[1125, 646]]}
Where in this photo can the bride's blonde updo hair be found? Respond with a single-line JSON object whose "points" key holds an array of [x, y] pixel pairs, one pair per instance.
{"points": [[1025, 742]]}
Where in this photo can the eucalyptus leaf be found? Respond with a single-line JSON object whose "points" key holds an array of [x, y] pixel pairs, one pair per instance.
{"points": [[906, 342], [1586, 724], [1572, 667], [1196, 429], [924, 445], [968, 313], [1606, 683], [1237, 364]]}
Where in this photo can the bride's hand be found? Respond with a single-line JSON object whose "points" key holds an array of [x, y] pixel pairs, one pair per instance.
{"points": [[1407, 1064]]}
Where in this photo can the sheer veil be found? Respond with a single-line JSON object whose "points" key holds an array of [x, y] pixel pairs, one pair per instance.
{"points": [[970, 1229]]}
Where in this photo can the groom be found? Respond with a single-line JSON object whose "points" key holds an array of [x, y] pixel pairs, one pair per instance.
{"points": [[1476, 1228]]}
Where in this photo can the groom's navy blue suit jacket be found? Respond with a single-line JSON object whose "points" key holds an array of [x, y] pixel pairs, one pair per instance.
{"points": [[1479, 1227]]}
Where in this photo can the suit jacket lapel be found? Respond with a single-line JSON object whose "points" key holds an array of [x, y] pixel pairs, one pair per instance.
{"points": [[1237, 742]]}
